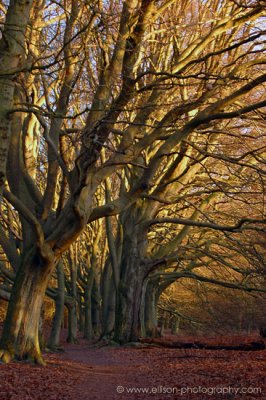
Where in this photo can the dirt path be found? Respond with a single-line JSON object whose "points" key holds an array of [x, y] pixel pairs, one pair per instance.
{"points": [[102, 370], [194, 374], [84, 372]]}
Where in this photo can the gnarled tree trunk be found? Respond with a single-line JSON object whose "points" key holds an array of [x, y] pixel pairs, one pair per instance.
{"points": [[20, 338]]}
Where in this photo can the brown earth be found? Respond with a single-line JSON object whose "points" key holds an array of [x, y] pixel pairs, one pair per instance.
{"points": [[88, 372]]}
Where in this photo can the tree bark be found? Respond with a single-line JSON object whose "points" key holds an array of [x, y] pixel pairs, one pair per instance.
{"points": [[129, 295], [108, 293], [96, 307], [151, 323], [72, 323], [127, 323], [72, 308], [54, 340], [88, 331], [20, 337], [12, 49]]}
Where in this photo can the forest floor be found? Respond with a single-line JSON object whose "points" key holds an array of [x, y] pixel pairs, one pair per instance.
{"points": [[84, 372]]}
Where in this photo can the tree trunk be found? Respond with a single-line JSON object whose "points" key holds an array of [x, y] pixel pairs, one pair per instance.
{"points": [[88, 332], [151, 323], [42, 342], [72, 323], [72, 308], [96, 307], [128, 302], [54, 340], [81, 318], [175, 326], [12, 50], [20, 337], [108, 301], [133, 271], [128, 323]]}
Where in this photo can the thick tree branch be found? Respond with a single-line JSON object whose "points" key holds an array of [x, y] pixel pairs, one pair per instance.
{"points": [[27, 214], [228, 228]]}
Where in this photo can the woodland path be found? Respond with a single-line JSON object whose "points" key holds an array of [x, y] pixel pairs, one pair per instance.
{"points": [[85, 372]]}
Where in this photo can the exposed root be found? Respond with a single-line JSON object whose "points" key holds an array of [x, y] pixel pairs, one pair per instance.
{"points": [[104, 342], [31, 358], [54, 349], [72, 340], [252, 346], [39, 360], [5, 356], [137, 345], [35, 357]]}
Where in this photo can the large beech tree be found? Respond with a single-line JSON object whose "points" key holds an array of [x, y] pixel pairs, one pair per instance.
{"points": [[134, 78], [12, 57]]}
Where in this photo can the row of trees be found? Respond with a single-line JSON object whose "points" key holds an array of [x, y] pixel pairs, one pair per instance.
{"points": [[190, 307], [132, 143]]}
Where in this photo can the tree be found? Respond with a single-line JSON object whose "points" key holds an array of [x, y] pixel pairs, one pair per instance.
{"points": [[12, 59]]}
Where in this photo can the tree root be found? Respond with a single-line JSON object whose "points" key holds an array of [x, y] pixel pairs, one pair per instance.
{"points": [[5, 356], [31, 358], [72, 340], [38, 360], [137, 345], [253, 346], [54, 349], [35, 357], [104, 342]]}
